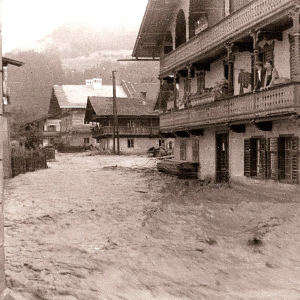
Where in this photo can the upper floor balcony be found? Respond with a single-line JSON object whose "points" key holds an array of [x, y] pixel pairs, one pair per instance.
{"points": [[100, 132], [253, 15], [277, 101]]}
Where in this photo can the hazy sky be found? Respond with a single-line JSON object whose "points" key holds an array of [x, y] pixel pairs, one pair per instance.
{"points": [[25, 21]]}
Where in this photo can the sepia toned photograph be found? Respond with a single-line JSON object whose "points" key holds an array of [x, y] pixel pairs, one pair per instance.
{"points": [[149, 150]]}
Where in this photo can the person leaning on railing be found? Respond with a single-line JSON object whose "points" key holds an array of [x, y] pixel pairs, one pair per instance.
{"points": [[271, 74]]}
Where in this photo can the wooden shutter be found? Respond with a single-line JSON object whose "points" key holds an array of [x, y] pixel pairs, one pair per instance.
{"points": [[295, 159], [273, 158], [292, 56], [262, 162], [182, 149], [196, 150], [247, 156]]}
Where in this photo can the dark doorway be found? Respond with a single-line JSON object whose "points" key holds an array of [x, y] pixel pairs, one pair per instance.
{"points": [[222, 157]]}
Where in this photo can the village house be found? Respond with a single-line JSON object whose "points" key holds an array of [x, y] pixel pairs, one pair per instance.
{"points": [[137, 124], [65, 123], [208, 53]]}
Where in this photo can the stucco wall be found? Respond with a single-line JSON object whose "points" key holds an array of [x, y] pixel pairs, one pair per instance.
{"points": [[215, 74], [141, 145], [236, 144], [282, 56]]}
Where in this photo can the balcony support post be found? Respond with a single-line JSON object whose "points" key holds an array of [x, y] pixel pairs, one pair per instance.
{"points": [[296, 34], [189, 79], [175, 89], [254, 35], [230, 62]]}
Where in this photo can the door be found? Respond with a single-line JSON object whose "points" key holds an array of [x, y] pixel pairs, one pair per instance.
{"points": [[222, 157]]}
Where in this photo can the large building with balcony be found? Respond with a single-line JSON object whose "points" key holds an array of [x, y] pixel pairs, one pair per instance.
{"points": [[134, 123], [208, 53]]}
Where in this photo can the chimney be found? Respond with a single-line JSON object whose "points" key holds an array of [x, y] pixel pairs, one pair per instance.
{"points": [[144, 97], [97, 83]]}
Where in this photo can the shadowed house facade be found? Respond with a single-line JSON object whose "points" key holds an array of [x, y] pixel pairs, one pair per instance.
{"points": [[67, 110], [138, 124], [208, 51]]}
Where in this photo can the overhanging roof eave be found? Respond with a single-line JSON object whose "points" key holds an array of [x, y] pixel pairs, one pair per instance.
{"points": [[152, 7]]}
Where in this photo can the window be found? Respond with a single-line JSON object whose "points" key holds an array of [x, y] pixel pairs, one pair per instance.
{"points": [[51, 128], [86, 140], [288, 159], [200, 81], [170, 145], [161, 143], [130, 143], [274, 158], [182, 149], [195, 149], [255, 158]]}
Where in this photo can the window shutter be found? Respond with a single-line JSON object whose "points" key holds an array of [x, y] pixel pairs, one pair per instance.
{"points": [[262, 162], [183, 150], [196, 150], [273, 157], [295, 159], [247, 162], [292, 54]]}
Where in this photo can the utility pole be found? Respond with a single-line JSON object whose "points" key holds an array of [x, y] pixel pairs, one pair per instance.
{"points": [[115, 112]]}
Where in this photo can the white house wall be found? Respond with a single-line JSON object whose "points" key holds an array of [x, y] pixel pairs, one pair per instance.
{"points": [[52, 122], [141, 145], [282, 56], [215, 74]]}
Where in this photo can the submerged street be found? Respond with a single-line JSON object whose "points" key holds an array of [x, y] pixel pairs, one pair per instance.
{"points": [[112, 227]]}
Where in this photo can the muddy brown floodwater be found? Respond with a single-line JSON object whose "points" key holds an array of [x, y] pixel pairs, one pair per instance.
{"points": [[112, 227]]}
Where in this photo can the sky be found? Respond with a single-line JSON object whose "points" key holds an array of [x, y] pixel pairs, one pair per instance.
{"points": [[26, 21]]}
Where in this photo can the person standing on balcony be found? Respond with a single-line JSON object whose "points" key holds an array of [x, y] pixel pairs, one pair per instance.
{"points": [[271, 74], [260, 76]]}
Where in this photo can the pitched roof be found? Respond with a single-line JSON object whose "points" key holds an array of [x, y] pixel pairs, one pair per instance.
{"points": [[153, 28], [134, 89], [75, 96], [103, 106]]}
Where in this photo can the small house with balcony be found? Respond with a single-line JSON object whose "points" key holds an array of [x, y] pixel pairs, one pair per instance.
{"points": [[66, 123], [137, 126], [208, 52]]}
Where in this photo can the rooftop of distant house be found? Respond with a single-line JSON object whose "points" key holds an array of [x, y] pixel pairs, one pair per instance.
{"points": [[134, 89], [103, 106], [75, 96]]}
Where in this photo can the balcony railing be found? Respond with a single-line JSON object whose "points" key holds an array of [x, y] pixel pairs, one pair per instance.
{"points": [[279, 100], [51, 133], [123, 130], [239, 21]]}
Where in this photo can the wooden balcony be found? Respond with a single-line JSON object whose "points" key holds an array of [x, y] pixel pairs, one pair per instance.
{"points": [[275, 102], [51, 133], [238, 23], [101, 132]]}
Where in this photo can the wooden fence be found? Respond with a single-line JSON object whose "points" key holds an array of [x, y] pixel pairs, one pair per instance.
{"points": [[23, 161]]}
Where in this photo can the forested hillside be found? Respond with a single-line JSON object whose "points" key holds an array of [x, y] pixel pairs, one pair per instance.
{"points": [[68, 58]]}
